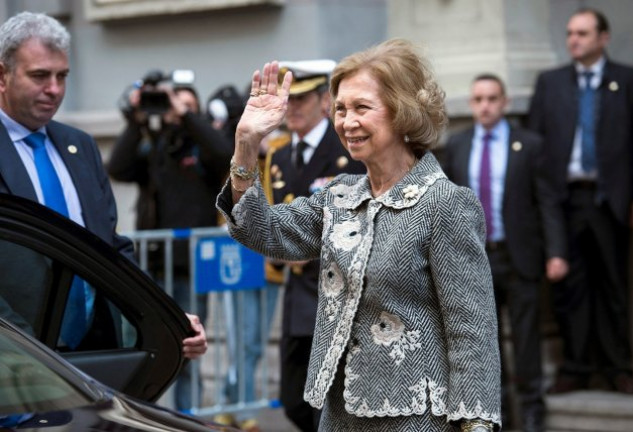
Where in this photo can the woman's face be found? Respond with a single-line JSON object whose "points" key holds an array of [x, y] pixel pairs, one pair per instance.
{"points": [[362, 121]]}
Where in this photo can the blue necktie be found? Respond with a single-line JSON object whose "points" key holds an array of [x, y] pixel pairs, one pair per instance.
{"points": [[587, 116], [485, 192], [74, 322]]}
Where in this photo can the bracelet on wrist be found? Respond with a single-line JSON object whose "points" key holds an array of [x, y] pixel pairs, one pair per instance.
{"points": [[240, 182], [476, 425], [236, 189], [243, 172]]}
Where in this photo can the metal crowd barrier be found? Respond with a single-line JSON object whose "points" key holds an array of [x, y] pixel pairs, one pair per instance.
{"points": [[224, 269]]}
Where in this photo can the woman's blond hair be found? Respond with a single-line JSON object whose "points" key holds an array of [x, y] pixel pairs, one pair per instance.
{"points": [[409, 90]]}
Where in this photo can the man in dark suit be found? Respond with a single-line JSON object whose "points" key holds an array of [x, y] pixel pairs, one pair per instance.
{"points": [[313, 156], [33, 70], [501, 163], [584, 111]]}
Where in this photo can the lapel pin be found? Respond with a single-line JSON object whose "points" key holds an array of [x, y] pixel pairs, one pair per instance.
{"points": [[342, 162], [72, 149], [613, 86], [517, 146]]}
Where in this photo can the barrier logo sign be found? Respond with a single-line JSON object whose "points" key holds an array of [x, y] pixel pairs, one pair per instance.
{"points": [[223, 264]]}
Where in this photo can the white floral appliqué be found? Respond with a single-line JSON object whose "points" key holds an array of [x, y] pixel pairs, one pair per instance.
{"points": [[341, 193], [332, 284], [346, 235], [411, 192], [390, 332], [332, 280]]}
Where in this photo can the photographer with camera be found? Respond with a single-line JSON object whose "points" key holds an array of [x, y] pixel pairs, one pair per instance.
{"points": [[179, 161]]}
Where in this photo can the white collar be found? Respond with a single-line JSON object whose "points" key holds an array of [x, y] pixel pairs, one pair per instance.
{"points": [[596, 68], [314, 137]]}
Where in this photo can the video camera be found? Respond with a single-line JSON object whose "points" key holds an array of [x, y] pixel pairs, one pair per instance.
{"points": [[156, 101]]}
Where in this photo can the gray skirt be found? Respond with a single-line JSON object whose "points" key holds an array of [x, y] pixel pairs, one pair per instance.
{"points": [[334, 418]]}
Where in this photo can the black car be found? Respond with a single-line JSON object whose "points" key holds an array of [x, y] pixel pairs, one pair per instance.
{"points": [[137, 351]]}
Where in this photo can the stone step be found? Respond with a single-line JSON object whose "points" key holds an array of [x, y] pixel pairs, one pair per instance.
{"points": [[590, 411]]}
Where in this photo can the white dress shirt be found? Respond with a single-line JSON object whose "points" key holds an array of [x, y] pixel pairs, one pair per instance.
{"points": [[312, 139], [498, 164], [574, 169], [17, 133]]}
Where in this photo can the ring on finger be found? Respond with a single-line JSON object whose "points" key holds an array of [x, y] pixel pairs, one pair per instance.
{"points": [[262, 92], [254, 94]]}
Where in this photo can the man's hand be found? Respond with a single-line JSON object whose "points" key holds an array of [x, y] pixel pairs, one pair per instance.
{"points": [[193, 347], [134, 98], [556, 269]]}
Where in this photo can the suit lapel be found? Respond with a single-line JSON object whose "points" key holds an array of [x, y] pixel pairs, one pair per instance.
{"points": [[511, 169], [569, 88], [462, 159], [607, 90], [568, 95], [12, 169]]}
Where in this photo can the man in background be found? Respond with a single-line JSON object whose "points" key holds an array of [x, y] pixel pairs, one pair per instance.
{"points": [[584, 111], [179, 161], [49, 162]]}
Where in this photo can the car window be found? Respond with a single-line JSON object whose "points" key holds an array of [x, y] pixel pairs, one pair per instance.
{"points": [[28, 385], [33, 289]]}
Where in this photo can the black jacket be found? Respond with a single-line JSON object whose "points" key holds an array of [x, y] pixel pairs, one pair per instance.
{"points": [[179, 172], [554, 113], [533, 222]]}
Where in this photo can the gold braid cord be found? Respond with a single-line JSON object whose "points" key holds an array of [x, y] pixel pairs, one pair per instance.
{"points": [[273, 274]]}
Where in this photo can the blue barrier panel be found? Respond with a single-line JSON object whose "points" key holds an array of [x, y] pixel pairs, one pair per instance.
{"points": [[223, 264]]}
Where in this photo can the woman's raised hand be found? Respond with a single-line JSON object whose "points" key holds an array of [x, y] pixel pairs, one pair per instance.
{"points": [[267, 105]]}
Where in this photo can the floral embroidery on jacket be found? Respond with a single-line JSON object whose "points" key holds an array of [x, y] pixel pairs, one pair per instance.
{"points": [[332, 280], [346, 235], [390, 331], [332, 284], [411, 193], [341, 193]]}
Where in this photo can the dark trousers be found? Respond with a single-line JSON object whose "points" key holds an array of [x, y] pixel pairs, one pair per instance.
{"points": [[591, 304], [295, 356], [522, 298]]}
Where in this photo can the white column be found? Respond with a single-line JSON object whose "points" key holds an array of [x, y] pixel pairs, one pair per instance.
{"points": [[464, 38]]}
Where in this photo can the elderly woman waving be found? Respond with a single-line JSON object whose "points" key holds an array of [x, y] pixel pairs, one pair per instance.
{"points": [[405, 337]]}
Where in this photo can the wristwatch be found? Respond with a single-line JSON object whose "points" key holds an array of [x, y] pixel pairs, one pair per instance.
{"points": [[476, 425]]}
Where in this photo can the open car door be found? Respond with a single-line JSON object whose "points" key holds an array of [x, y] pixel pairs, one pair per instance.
{"points": [[134, 342]]}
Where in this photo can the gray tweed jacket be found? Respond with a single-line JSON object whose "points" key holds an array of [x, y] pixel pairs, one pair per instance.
{"points": [[405, 291]]}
